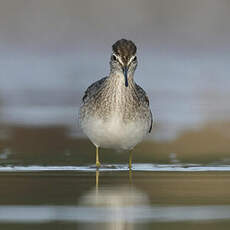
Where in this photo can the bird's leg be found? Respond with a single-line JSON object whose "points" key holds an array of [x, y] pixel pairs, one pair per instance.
{"points": [[97, 158], [130, 160]]}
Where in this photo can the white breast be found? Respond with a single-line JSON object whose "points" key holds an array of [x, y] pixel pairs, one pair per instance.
{"points": [[115, 133]]}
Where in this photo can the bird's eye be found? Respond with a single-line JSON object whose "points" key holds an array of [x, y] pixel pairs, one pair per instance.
{"points": [[114, 58], [135, 58]]}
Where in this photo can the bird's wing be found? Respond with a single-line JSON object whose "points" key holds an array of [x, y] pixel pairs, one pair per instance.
{"points": [[92, 89], [143, 96], [151, 125]]}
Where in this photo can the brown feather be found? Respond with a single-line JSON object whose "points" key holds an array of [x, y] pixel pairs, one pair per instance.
{"points": [[125, 49]]}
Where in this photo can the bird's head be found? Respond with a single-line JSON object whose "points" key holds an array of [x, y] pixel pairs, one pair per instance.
{"points": [[123, 58]]}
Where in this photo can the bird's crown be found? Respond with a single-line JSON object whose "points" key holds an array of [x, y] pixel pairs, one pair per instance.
{"points": [[124, 49]]}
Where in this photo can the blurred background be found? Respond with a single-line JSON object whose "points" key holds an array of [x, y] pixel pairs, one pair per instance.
{"points": [[52, 50]]}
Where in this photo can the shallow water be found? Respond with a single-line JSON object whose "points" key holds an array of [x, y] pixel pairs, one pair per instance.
{"points": [[79, 197], [180, 167]]}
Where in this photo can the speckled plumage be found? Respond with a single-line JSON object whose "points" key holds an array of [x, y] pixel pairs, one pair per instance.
{"points": [[113, 115]]}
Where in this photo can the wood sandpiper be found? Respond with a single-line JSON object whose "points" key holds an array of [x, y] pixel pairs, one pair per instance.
{"points": [[115, 111]]}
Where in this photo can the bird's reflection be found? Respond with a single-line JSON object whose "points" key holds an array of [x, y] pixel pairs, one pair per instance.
{"points": [[113, 207]]}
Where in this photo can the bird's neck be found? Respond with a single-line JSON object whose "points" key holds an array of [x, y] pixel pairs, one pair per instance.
{"points": [[117, 80], [117, 93]]}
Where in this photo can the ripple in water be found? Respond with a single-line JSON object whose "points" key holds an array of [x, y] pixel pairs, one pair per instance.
{"points": [[120, 167]]}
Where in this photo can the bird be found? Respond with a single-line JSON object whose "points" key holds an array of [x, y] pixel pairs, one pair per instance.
{"points": [[115, 111]]}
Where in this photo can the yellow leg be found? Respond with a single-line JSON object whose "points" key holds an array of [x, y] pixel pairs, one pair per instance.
{"points": [[97, 158], [130, 160]]}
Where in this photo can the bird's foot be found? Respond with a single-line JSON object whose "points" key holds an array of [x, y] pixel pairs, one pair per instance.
{"points": [[98, 164]]}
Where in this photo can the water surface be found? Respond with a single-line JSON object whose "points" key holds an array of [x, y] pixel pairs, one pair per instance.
{"points": [[79, 197]]}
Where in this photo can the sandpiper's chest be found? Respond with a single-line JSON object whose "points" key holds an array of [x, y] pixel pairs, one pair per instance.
{"points": [[116, 105]]}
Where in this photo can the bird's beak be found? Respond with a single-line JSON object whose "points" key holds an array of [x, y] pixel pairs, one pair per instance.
{"points": [[125, 71]]}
